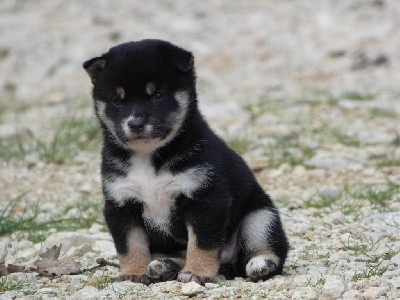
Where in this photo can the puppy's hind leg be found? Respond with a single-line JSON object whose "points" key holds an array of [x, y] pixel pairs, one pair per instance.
{"points": [[263, 243]]}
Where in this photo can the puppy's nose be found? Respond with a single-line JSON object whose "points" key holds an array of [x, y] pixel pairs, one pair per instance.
{"points": [[136, 124]]}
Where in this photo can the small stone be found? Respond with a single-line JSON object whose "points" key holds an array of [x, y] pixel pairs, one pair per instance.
{"points": [[3, 248], [76, 280], [47, 291], [333, 288], [395, 282], [86, 187], [192, 288], [380, 59], [96, 228], [299, 171], [395, 260], [360, 60], [336, 217], [211, 285], [304, 293], [352, 295], [374, 292]]}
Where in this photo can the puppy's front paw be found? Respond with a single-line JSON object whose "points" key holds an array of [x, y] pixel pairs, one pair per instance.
{"points": [[189, 276], [144, 279], [163, 269], [260, 267]]}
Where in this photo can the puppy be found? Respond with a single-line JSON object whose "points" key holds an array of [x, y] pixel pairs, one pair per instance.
{"points": [[171, 185]]}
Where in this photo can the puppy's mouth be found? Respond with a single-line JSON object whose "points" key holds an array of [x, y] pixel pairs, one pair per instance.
{"points": [[141, 137]]}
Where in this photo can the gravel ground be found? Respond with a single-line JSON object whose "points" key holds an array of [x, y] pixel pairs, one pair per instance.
{"points": [[306, 91]]}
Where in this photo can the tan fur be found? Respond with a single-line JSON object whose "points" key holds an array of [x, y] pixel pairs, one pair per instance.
{"points": [[138, 257], [120, 92], [150, 88], [198, 261]]}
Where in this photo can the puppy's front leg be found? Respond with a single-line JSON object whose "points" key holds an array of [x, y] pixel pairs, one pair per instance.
{"points": [[135, 261], [201, 264]]}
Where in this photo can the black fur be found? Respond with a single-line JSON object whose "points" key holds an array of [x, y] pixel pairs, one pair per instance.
{"points": [[215, 210]]}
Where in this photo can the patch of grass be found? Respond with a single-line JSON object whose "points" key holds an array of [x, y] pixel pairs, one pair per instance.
{"points": [[387, 161], [356, 96], [345, 139], [13, 106], [240, 144], [320, 281], [103, 282], [377, 195], [15, 148], [289, 152], [70, 137], [396, 141], [263, 105], [313, 253], [377, 113], [366, 247], [23, 220], [8, 285], [315, 97], [320, 202]]}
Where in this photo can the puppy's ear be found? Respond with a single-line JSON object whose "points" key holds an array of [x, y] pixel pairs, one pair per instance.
{"points": [[94, 67], [182, 59]]}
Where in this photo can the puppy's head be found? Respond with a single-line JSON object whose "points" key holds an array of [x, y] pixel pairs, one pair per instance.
{"points": [[143, 92]]}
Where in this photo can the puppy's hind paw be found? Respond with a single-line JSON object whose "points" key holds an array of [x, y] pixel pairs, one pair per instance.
{"points": [[260, 267], [144, 279], [163, 269]]}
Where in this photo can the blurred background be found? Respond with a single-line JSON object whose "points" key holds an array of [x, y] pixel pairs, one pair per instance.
{"points": [[243, 49], [308, 91]]}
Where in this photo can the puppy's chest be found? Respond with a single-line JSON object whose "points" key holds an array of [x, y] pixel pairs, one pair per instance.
{"points": [[157, 191]]}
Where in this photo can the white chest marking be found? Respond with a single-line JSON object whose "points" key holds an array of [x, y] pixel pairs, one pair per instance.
{"points": [[157, 191]]}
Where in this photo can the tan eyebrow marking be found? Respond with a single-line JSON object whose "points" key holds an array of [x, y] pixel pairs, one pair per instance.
{"points": [[120, 92], [150, 88]]}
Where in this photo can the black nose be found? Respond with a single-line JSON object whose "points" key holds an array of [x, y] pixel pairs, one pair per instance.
{"points": [[136, 124]]}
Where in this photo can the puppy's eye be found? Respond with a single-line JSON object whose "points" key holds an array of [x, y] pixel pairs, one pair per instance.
{"points": [[158, 95], [117, 101]]}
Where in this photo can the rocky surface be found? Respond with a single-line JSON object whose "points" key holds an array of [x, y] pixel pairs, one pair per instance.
{"points": [[306, 91]]}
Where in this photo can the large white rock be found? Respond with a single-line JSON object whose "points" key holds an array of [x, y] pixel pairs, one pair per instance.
{"points": [[105, 248], [73, 240]]}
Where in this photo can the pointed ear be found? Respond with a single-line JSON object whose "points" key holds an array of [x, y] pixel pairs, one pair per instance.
{"points": [[184, 61], [94, 67]]}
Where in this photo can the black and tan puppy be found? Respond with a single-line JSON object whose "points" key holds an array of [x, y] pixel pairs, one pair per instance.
{"points": [[171, 185]]}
